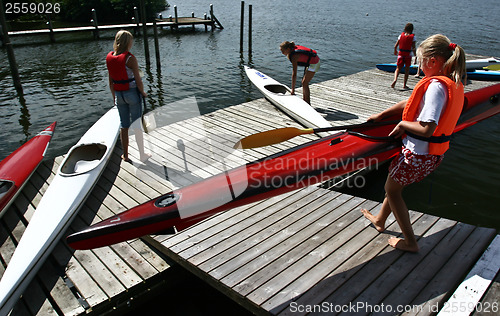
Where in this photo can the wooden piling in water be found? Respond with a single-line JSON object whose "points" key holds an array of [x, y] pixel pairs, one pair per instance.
{"points": [[250, 29], [157, 45], [10, 51], [51, 33], [241, 25], [94, 22], [136, 20], [145, 32]]}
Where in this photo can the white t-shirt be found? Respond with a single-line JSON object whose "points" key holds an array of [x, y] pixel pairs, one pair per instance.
{"points": [[432, 105]]}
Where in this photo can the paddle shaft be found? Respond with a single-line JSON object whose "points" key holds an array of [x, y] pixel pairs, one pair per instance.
{"points": [[353, 126]]}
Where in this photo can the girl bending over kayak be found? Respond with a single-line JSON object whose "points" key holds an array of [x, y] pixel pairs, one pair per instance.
{"points": [[301, 56], [429, 117]]}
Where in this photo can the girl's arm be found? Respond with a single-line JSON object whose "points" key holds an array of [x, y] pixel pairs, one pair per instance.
{"points": [[111, 87], [396, 109], [132, 64], [418, 128], [294, 59], [396, 48]]}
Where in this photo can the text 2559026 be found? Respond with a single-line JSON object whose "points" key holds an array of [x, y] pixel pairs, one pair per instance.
{"points": [[32, 7]]}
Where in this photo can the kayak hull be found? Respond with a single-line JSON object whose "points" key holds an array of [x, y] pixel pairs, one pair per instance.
{"points": [[18, 167], [73, 181], [279, 95], [474, 74], [295, 168]]}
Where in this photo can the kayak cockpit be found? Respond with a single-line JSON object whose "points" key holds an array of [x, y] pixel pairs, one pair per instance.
{"points": [[83, 158], [277, 88], [5, 187]]}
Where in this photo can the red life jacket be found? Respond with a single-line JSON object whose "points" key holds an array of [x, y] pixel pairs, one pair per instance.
{"points": [[405, 44], [117, 70], [439, 142], [307, 56]]}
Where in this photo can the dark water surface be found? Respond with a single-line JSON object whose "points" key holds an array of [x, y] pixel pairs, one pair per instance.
{"points": [[67, 80]]}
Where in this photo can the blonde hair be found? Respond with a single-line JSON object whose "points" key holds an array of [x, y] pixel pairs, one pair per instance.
{"points": [[439, 45], [287, 45], [123, 39]]}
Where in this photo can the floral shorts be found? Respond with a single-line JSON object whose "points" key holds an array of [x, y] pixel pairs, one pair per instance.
{"points": [[408, 168]]}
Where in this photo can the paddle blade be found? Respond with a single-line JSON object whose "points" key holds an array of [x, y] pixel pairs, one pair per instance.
{"points": [[492, 67], [271, 137]]}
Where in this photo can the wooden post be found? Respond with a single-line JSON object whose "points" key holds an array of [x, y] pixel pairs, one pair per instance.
{"points": [[10, 51], [205, 18], [136, 19], [192, 15], [51, 30], [160, 16], [212, 25], [175, 12], [1, 35], [94, 22], [250, 29], [145, 32], [241, 26], [157, 45]]}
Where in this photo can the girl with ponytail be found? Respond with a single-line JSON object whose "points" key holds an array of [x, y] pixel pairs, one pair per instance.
{"points": [[429, 117]]}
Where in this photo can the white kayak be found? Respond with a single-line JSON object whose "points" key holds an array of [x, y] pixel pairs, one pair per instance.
{"points": [[279, 95], [77, 175], [483, 62]]}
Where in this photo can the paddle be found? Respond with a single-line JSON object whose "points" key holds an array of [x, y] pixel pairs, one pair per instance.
{"points": [[279, 135], [492, 67]]}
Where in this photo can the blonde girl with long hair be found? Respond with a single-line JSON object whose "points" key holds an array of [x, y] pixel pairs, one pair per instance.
{"points": [[127, 89], [429, 117]]}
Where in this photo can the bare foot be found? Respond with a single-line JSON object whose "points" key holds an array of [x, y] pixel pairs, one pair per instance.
{"points": [[406, 88], [145, 157], [401, 244], [369, 216], [393, 84], [126, 159]]}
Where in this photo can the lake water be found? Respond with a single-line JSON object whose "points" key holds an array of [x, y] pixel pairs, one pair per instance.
{"points": [[67, 80]]}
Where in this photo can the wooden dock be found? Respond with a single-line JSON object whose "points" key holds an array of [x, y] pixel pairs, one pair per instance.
{"points": [[182, 21], [172, 22], [278, 256]]}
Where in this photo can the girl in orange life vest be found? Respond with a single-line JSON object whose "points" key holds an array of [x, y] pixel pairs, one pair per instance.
{"points": [[127, 88], [301, 56], [406, 44], [428, 119]]}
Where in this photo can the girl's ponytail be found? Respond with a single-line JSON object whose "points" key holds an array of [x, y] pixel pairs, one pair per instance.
{"points": [[455, 65]]}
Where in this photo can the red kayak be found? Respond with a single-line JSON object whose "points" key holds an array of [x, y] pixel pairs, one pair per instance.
{"points": [[292, 169], [18, 167]]}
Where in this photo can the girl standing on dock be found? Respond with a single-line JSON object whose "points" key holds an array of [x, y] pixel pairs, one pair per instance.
{"points": [[429, 117], [406, 44], [127, 89], [301, 56]]}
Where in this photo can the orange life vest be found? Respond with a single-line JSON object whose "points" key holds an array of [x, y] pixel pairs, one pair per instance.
{"points": [[117, 70], [405, 44], [439, 142]]}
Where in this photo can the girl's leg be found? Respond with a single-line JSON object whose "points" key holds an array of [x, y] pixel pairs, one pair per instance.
{"points": [[379, 220], [407, 74], [124, 140], [306, 94], [398, 206], [396, 74]]}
